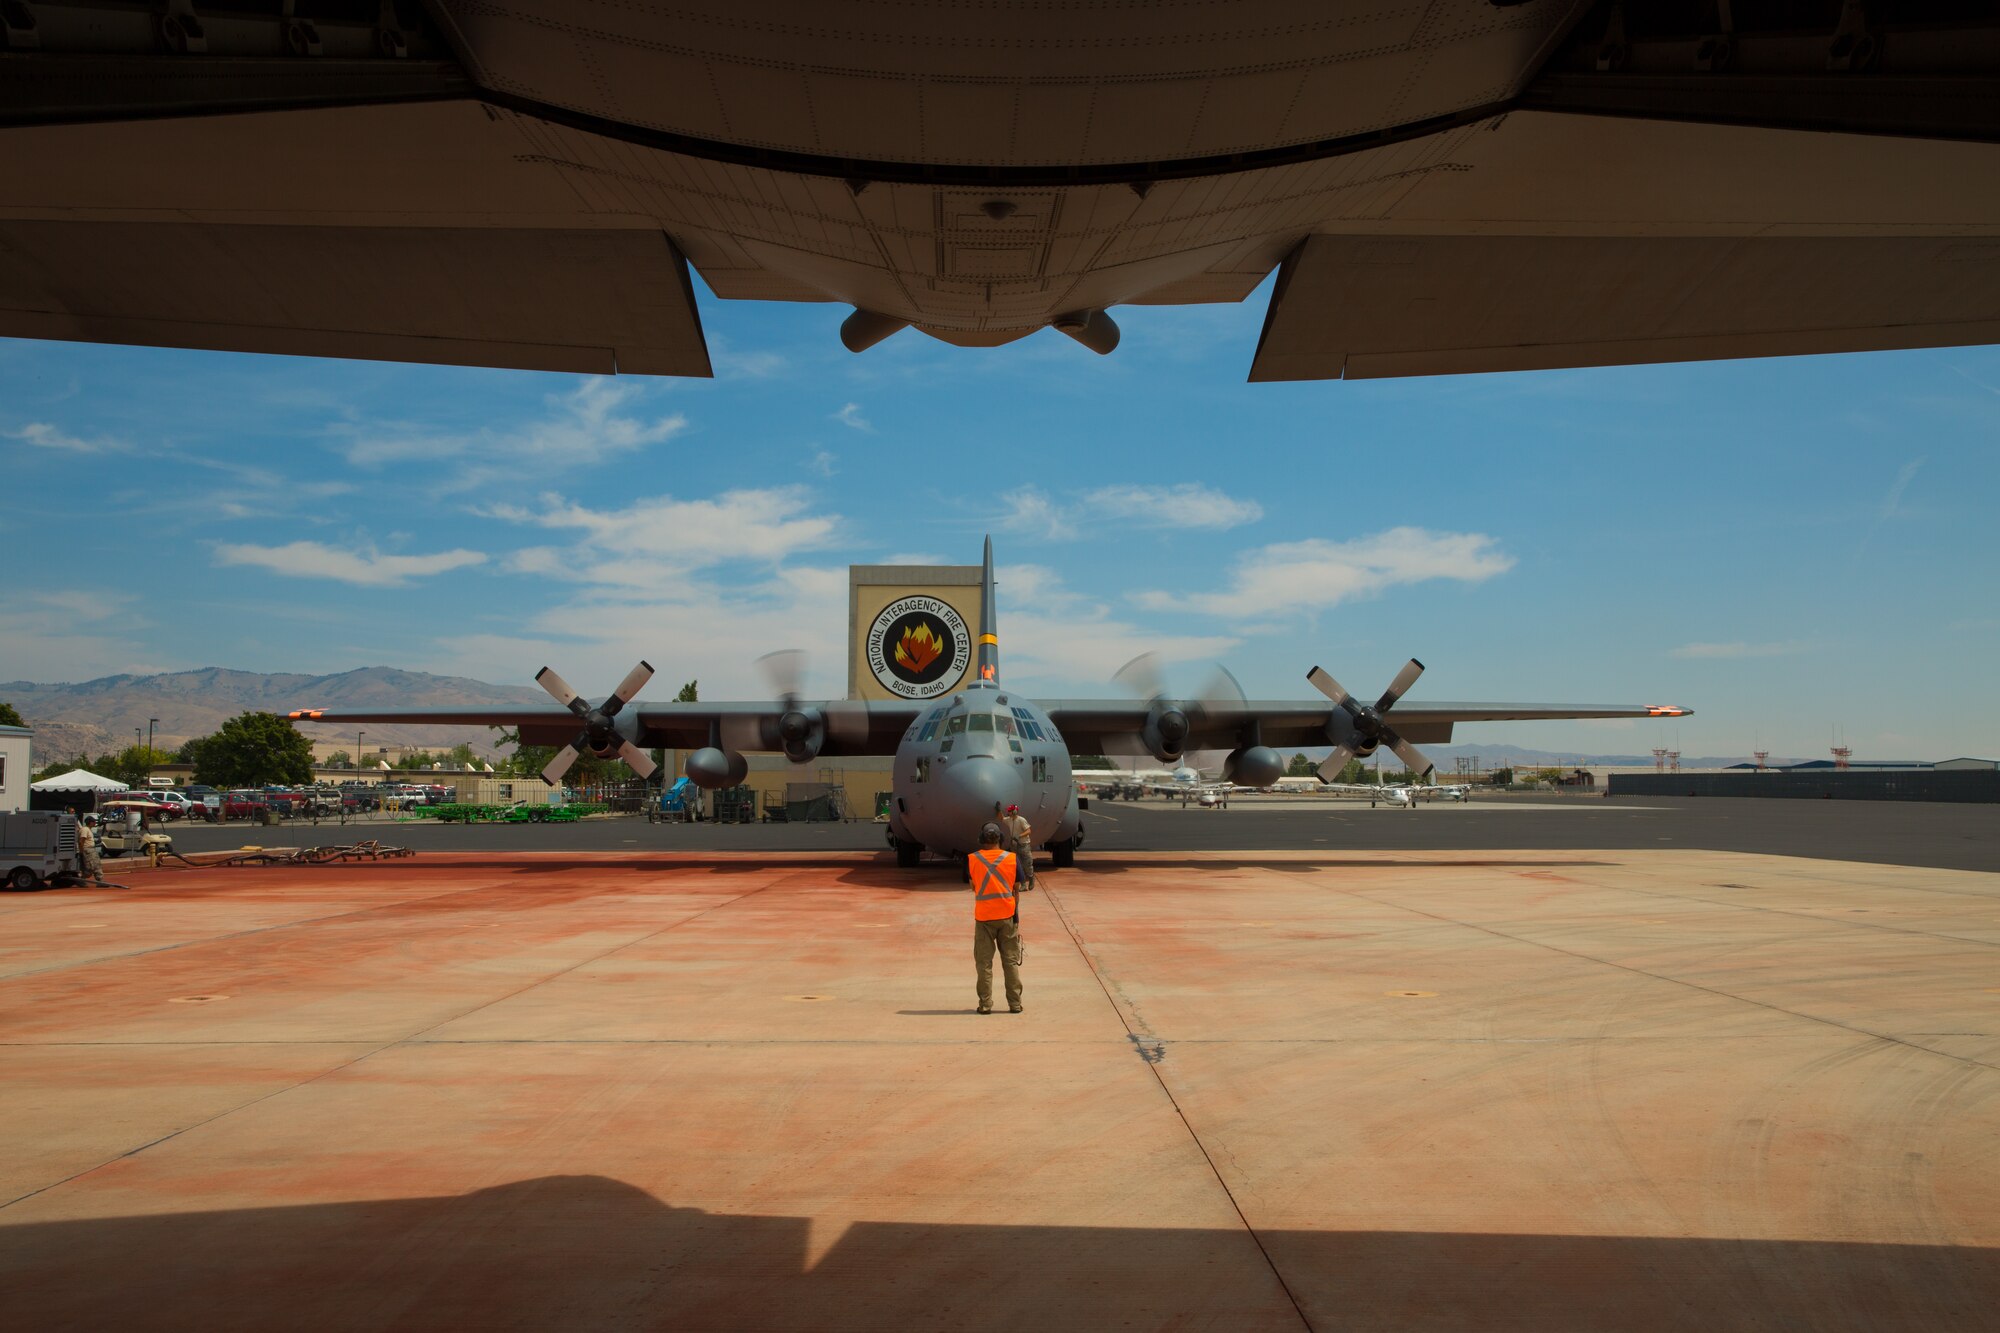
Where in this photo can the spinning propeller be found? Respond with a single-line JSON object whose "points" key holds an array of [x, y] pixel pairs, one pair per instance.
{"points": [[1357, 729], [1169, 721], [598, 736], [802, 730]]}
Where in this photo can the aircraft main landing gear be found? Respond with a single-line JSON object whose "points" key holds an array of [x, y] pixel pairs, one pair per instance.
{"points": [[908, 853], [1063, 854]]}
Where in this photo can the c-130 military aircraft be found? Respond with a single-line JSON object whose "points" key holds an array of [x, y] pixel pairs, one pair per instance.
{"points": [[961, 760]]}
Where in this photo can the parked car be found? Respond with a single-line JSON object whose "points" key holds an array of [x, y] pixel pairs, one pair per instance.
{"points": [[243, 804], [183, 808], [359, 798]]}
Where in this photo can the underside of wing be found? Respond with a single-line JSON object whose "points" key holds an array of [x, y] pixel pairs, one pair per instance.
{"points": [[1364, 307], [1094, 726]]}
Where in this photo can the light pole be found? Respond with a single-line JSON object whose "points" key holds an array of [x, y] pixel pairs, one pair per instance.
{"points": [[151, 722]]}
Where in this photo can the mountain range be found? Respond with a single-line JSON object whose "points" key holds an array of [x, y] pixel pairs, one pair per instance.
{"points": [[91, 717]]}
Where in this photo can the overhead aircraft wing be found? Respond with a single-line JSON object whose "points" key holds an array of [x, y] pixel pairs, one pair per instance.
{"points": [[1088, 725]]}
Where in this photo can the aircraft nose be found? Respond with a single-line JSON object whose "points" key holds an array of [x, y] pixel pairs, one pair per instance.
{"points": [[975, 791]]}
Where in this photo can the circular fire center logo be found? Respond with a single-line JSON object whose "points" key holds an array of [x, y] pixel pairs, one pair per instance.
{"points": [[918, 647]]}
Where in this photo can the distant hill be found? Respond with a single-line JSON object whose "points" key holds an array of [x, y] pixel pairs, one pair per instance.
{"points": [[94, 716]]}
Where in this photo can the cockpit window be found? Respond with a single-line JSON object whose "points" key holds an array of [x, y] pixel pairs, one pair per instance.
{"points": [[980, 721], [1006, 724], [955, 726], [930, 730]]}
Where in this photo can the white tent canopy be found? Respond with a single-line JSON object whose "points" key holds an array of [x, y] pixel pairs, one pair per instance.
{"points": [[79, 779]]}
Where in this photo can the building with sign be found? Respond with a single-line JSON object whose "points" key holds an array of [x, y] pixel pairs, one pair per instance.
{"points": [[910, 629]]}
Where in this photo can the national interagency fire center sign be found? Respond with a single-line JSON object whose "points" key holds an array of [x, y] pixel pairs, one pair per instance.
{"points": [[910, 629]]}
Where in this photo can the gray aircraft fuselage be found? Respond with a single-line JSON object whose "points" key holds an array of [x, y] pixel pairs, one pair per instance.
{"points": [[968, 758]]}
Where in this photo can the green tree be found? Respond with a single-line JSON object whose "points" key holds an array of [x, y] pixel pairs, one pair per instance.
{"points": [[131, 765], [1349, 772], [416, 759], [1503, 777], [461, 756], [253, 750], [1089, 762], [11, 716], [340, 759], [1300, 767]]}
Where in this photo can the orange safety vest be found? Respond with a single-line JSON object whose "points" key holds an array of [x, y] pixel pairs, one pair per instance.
{"points": [[992, 885]]}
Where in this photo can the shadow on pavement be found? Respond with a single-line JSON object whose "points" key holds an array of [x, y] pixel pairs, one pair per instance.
{"points": [[587, 1252]]}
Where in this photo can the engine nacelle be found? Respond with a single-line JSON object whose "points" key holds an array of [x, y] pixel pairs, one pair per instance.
{"points": [[1254, 766], [1165, 732], [1340, 729], [712, 769]]}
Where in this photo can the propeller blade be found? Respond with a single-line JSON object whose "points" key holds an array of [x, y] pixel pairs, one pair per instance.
{"points": [[1413, 758], [1327, 685], [1142, 676], [635, 680], [1220, 702], [1329, 767], [1400, 686], [785, 670], [559, 688], [637, 760], [559, 765]]}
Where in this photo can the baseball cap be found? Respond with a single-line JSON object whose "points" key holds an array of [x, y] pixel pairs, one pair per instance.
{"points": [[1013, 809], [991, 833]]}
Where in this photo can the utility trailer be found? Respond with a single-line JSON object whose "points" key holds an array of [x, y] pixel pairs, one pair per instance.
{"points": [[36, 846]]}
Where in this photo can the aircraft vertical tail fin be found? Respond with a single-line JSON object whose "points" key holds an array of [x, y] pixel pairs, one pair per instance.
{"points": [[989, 642]]}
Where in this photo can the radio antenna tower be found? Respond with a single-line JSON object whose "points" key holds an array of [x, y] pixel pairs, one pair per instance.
{"points": [[1762, 757], [1841, 754], [1659, 761]]}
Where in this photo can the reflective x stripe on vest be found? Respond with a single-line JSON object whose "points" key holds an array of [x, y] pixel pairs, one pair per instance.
{"points": [[992, 885]]}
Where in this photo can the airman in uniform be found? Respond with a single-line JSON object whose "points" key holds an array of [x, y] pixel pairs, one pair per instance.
{"points": [[996, 919], [1020, 841]]}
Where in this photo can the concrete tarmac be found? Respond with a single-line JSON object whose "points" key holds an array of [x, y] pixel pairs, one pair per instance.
{"points": [[1633, 1088]]}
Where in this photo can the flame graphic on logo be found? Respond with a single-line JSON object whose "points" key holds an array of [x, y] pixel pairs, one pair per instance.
{"points": [[919, 647]]}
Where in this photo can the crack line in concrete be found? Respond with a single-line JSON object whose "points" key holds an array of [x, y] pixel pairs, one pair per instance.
{"points": [[1152, 1063], [1673, 981]]}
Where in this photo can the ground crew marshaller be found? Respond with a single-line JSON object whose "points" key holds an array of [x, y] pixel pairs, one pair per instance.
{"points": [[1020, 841], [996, 919]]}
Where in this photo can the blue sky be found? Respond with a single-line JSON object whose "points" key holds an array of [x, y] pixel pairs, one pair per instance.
{"points": [[1787, 546]]}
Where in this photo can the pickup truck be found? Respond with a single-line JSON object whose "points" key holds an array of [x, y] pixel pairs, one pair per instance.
{"points": [[242, 804]]}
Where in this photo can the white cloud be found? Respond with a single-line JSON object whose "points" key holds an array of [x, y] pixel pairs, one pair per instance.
{"points": [[1054, 638], [1189, 505], [367, 568], [586, 426], [1315, 574], [850, 416], [42, 435], [823, 461], [1030, 511], [660, 540], [748, 365], [1893, 498], [1719, 651]]}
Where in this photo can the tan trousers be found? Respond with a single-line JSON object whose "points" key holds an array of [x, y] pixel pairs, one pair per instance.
{"points": [[1006, 934]]}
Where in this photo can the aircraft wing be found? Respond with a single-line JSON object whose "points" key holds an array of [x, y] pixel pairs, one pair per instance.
{"points": [[852, 728], [1089, 725]]}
